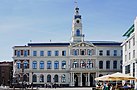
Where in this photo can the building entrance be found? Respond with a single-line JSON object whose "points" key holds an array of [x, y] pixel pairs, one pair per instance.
{"points": [[76, 80], [83, 80]]}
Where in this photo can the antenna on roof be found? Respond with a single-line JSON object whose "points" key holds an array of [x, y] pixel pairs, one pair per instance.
{"points": [[50, 40], [76, 3], [30, 40]]}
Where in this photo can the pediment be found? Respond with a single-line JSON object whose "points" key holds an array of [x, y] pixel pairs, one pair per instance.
{"points": [[82, 44]]}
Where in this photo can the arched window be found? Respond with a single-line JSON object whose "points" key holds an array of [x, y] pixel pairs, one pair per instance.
{"points": [[75, 52], [107, 64], [89, 64], [56, 78], [49, 65], [34, 65], [63, 78], [34, 78], [78, 32], [56, 65], [100, 64], [75, 64], [49, 78], [63, 64], [25, 78], [89, 52], [41, 65], [83, 64], [25, 64], [41, 78], [18, 64]]}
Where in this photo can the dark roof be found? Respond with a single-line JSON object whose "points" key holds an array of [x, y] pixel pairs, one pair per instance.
{"points": [[67, 44], [48, 44], [105, 43], [129, 31]]}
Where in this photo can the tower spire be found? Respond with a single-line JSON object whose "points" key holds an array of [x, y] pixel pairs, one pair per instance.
{"points": [[77, 35]]}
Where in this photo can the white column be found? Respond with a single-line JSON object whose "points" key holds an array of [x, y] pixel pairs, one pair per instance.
{"points": [[81, 79], [88, 79], [73, 79]]}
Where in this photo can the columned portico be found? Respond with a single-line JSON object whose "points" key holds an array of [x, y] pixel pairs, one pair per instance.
{"points": [[81, 79]]}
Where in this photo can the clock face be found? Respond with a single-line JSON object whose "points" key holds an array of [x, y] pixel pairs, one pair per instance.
{"points": [[77, 21]]}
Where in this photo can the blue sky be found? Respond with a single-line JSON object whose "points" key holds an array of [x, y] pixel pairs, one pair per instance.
{"points": [[45, 20]]}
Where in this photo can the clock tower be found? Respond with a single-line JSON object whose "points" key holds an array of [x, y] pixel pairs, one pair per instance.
{"points": [[77, 35]]}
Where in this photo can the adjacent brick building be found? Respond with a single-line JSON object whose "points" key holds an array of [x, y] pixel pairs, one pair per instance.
{"points": [[6, 69]]}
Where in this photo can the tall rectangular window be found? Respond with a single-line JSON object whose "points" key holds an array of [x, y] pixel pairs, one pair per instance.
{"points": [[21, 52], [101, 52], [34, 53], [15, 52], [107, 64], [125, 57], [41, 53], [129, 56], [57, 53], [108, 52], [64, 53], [133, 53], [125, 46], [25, 53], [18, 53], [133, 41], [49, 53], [129, 44], [115, 52], [114, 64]]}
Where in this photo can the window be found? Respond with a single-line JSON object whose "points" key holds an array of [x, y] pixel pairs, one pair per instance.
{"points": [[56, 78], [25, 65], [15, 52], [133, 41], [121, 52], [127, 69], [121, 64], [63, 53], [34, 78], [75, 52], [34, 53], [22, 52], [82, 52], [100, 64], [101, 52], [129, 44], [48, 78], [56, 53], [75, 64], [63, 78], [25, 53], [89, 64], [107, 64], [18, 53], [34, 65], [114, 64], [129, 56], [63, 64], [25, 78], [78, 32], [108, 52], [41, 53], [49, 53], [115, 52], [133, 69], [41, 64], [41, 78], [133, 53], [18, 65], [89, 52], [56, 65], [125, 57], [126, 46], [49, 65]]}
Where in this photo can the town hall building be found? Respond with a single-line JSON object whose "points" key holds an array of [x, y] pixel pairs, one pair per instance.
{"points": [[75, 63]]}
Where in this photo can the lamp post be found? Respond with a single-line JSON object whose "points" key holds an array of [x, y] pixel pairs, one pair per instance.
{"points": [[32, 81]]}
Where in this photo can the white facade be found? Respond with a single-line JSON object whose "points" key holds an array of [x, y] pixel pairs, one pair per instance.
{"points": [[130, 51], [67, 64]]}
